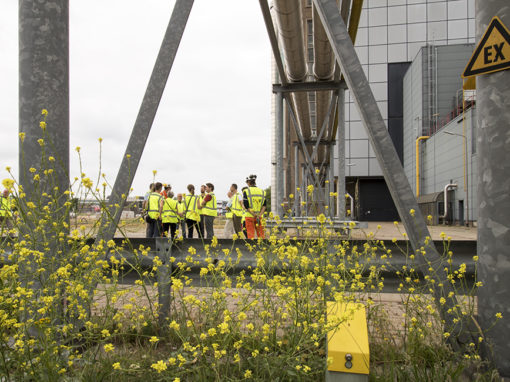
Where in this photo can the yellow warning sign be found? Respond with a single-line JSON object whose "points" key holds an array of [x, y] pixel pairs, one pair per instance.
{"points": [[492, 52]]}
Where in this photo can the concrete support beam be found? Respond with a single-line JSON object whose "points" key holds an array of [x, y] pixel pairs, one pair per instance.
{"points": [[44, 84], [145, 118], [493, 92], [340, 150], [389, 162], [279, 192]]}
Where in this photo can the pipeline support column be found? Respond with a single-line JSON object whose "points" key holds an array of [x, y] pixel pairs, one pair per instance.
{"points": [[340, 149], [44, 84], [279, 192], [493, 93]]}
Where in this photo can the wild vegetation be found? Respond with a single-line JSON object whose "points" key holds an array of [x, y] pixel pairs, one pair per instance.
{"points": [[75, 309]]}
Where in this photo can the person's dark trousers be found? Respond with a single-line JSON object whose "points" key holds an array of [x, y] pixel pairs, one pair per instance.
{"points": [[201, 227], [169, 226], [192, 223], [183, 228], [153, 226], [238, 224], [209, 225], [173, 229]]}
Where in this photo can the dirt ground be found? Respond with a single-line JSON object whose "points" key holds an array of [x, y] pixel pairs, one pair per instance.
{"points": [[381, 230], [389, 231]]}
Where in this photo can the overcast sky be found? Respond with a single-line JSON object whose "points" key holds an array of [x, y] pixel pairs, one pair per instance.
{"points": [[214, 120]]}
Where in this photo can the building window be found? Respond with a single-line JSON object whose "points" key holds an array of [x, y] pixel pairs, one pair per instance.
{"points": [[311, 103], [309, 39]]}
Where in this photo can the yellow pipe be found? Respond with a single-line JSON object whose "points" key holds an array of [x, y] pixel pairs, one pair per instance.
{"points": [[418, 162], [356, 7]]}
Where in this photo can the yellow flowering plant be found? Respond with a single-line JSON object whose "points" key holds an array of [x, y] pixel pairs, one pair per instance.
{"points": [[75, 308]]}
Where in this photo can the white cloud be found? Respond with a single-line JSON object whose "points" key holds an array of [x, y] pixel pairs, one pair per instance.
{"points": [[213, 122]]}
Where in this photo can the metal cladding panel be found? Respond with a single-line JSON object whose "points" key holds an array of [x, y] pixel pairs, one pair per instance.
{"points": [[413, 109], [451, 61]]}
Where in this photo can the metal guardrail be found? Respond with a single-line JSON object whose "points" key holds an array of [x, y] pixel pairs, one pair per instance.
{"points": [[302, 221], [463, 252]]}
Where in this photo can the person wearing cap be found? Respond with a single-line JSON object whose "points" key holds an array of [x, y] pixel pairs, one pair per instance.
{"points": [[166, 190], [209, 209], [5, 210], [254, 201], [191, 211]]}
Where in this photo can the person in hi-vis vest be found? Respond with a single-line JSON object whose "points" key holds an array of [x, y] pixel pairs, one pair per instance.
{"points": [[191, 211], [201, 197], [209, 210], [5, 211], [170, 215], [154, 208], [237, 209], [182, 215], [254, 201]]}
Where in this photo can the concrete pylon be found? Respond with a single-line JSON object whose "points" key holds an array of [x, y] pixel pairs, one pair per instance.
{"points": [[493, 113], [44, 84]]}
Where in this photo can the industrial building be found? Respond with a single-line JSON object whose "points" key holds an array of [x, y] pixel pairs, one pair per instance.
{"points": [[439, 149], [391, 34]]}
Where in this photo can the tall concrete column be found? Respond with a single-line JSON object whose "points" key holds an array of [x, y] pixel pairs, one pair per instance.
{"points": [[44, 84], [297, 199], [279, 192], [493, 93], [340, 150], [331, 170]]}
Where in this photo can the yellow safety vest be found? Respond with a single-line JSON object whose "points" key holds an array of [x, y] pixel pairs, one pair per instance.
{"points": [[210, 208], [180, 209], [191, 207], [236, 208], [153, 205], [5, 207], [169, 213], [256, 197]]}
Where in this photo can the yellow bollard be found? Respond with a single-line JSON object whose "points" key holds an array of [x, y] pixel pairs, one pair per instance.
{"points": [[348, 343]]}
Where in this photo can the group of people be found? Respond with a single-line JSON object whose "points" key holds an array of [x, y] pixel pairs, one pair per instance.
{"points": [[192, 212]]}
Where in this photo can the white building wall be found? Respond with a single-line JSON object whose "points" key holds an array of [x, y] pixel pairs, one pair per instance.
{"points": [[443, 162]]}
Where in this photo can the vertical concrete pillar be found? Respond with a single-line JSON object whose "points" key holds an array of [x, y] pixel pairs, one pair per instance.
{"points": [[44, 84], [297, 199], [331, 177], [279, 192], [304, 198], [340, 150], [493, 93]]}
